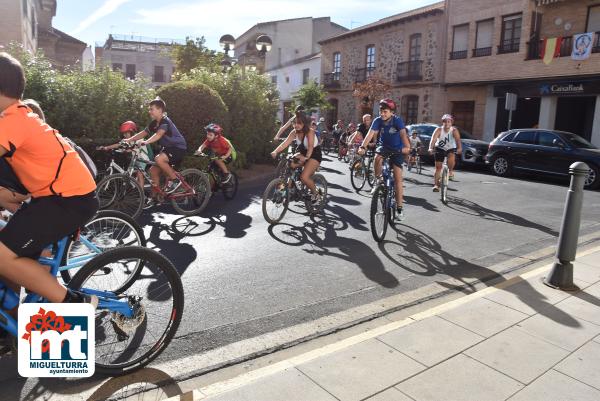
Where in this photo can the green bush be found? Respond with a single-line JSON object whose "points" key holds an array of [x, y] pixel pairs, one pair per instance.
{"points": [[252, 101], [88, 104], [191, 106]]}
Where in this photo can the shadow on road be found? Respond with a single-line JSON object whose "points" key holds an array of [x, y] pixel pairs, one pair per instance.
{"points": [[420, 254], [478, 210]]}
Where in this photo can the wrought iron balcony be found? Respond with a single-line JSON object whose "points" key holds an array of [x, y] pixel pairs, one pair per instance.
{"points": [[509, 46], [457, 55], [362, 74], [409, 71], [332, 80], [482, 52]]}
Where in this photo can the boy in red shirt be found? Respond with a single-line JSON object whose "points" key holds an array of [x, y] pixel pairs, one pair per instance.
{"points": [[220, 146]]}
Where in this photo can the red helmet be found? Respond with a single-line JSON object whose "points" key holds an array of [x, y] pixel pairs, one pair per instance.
{"points": [[128, 126], [387, 104], [214, 128]]}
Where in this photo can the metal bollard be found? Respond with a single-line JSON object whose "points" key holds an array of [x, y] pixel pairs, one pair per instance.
{"points": [[561, 275]]}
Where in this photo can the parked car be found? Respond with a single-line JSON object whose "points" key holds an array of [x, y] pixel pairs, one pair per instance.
{"points": [[542, 151], [474, 150]]}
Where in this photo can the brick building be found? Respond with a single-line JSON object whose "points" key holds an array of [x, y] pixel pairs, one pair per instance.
{"points": [[494, 48], [405, 51], [29, 22]]}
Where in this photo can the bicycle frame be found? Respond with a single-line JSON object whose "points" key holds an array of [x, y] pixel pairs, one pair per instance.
{"points": [[107, 300]]}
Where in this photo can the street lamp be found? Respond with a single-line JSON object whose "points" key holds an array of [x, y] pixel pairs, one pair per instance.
{"points": [[227, 42]]}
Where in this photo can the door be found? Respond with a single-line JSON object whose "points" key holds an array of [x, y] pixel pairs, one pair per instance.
{"points": [[522, 149], [551, 154], [464, 114]]}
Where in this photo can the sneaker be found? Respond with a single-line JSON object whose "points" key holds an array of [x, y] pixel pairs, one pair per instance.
{"points": [[150, 202], [436, 188], [451, 177], [172, 186], [227, 179], [400, 213]]}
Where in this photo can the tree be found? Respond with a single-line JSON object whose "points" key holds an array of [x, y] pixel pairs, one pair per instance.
{"points": [[195, 55], [312, 96], [371, 89]]}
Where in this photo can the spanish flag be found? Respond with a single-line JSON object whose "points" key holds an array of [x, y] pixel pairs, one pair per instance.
{"points": [[551, 49]]}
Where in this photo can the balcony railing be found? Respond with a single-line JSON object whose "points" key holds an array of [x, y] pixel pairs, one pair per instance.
{"points": [[566, 47], [457, 55], [332, 80], [409, 71], [482, 52], [362, 74], [509, 46]]}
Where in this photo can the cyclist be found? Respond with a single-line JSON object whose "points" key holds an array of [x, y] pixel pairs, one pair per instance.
{"points": [[355, 140], [392, 138], [415, 144], [338, 130], [61, 187], [221, 147], [309, 152], [446, 141], [288, 123], [173, 145], [127, 129]]}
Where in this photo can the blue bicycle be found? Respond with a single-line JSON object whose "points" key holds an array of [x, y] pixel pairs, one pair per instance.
{"points": [[133, 323], [383, 203]]}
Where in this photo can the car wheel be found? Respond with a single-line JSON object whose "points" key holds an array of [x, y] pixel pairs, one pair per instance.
{"points": [[592, 178], [501, 166]]}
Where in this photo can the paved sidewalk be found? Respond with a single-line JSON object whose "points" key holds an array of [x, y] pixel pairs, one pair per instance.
{"points": [[520, 340]]}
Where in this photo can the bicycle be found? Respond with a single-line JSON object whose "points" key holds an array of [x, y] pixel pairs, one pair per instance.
{"points": [[122, 191], [216, 181], [383, 203], [281, 158], [327, 144], [444, 179], [362, 172], [417, 164], [124, 338], [281, 190], [108, 229]]}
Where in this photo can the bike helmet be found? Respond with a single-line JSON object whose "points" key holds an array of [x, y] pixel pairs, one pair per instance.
{"points": [[128, 126], [214, 128], [447, 117], [387, 104]]}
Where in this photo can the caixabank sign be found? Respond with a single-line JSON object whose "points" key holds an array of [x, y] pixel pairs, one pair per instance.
{"points": [[56, 340]]}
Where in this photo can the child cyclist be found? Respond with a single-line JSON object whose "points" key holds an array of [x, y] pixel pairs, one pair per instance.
{"points": [[127, 130], [221, 147], [415, 144]]}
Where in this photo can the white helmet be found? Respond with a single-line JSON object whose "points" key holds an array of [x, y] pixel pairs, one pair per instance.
{"points": [[322, 119], [447, 117]]}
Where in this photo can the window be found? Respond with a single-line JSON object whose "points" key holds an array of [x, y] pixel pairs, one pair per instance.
{"points": [[511, 34], [130, 71], [33, 24], [25, 9], [159, 73], [370, 60], [548, 139], [274, 79], [410, 109], [527, 137], [460, 42], [332, 112], [287, 80], [509, 138], [415, 47], [117, 67], [483, 40], [593, 20], [305, 75]]}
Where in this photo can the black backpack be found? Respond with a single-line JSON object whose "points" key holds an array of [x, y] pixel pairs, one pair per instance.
{"points": [[87, 160]]}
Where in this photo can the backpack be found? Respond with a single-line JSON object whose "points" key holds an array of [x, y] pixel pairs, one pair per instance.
{"points": [[85, 158], [233, 151]]}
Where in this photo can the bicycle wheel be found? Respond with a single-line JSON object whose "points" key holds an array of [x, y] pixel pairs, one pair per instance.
{"points": [[370, 173], [326, 147], [358, 175], [281, 166], [193, 197], [321, 184], [107, 230], [379, 214], [156, 298], [230, 189], [122, 193], [275, 200], [444, 185]]}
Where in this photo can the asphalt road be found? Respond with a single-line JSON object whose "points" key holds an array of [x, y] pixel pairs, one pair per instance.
{"points": [[243, 278]]}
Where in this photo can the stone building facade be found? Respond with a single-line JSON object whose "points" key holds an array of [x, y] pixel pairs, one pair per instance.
{"points": [[404, 51], [564, 94]]}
